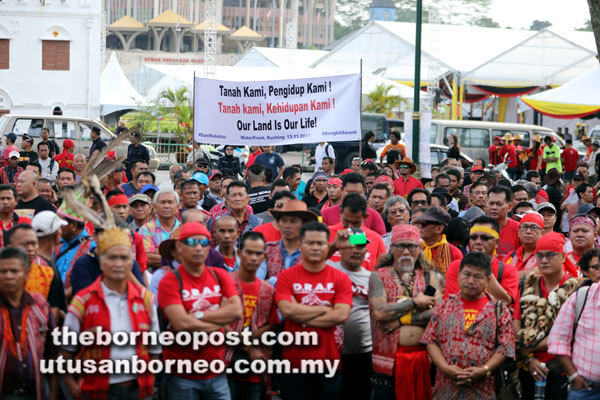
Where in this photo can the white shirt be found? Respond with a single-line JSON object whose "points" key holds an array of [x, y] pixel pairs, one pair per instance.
{"points": [[119, 322], [46, 172], [321, 152]]}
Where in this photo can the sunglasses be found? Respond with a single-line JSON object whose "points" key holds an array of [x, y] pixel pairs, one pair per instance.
{"points": [[419, 202], [191, 242], [403, 167], [484, 238], [424, 223], [549, 255], [404, 246], [202, 165]]}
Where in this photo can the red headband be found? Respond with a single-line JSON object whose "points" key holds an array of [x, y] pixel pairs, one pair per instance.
{"points": [[335, 181], [118, 200], [533, 217], [405, 232]]}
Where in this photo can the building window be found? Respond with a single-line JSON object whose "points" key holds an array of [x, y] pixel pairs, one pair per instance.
{"points": [[55, 55], [4, 53]]}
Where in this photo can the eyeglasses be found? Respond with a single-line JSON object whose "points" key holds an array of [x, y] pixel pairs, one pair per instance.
{"points": [[484, 238], [404, 246], [191, 242], [549, 255], [531, 228], [424, 223], [397, 211], [594, 267], [202, 165], [419, 202]]}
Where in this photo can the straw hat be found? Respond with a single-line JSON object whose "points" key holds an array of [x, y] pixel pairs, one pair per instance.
{"points": [[508, 137], [517, 137], [537, 138], [411, 165]]}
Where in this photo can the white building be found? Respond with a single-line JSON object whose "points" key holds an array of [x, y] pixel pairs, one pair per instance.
{"points": [[50, 56]]}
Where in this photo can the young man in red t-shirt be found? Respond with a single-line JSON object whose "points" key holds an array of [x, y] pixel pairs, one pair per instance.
{"points": [[196, 305], [314, 297], [260, 316], [499, 203], [569, 156]]}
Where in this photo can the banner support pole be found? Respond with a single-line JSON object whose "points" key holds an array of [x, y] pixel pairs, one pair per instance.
{"points": [[193, 127], [360, 142]]}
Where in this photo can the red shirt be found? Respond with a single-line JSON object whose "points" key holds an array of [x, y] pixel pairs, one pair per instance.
{"points": [[510, 151], [509, 238], [251, 158], [199, 293], [373, 220], [402, 187], [570, 157], [327, 287], [270, 233], [494, 157], [533, 163], [471, 309], [375, 248]]}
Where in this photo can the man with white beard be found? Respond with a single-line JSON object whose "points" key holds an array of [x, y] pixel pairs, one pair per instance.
{"points": [[402, 291]]}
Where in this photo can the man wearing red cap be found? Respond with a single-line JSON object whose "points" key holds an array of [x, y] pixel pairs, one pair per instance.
{"points": [[531, 229], [65, 159], [400, 311], [192, 298], [504, 280], [551, 265]]}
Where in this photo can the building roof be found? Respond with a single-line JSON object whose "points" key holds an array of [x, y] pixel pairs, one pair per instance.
{"points": [[169, 18], [127, 23], [245, 33], [276, 57], [382, 4], [221, 29]]}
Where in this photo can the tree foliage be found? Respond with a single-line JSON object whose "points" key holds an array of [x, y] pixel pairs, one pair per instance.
{"points": [[380, 101], [587, 26], [179, 103], [486, 22], [538, 25]]}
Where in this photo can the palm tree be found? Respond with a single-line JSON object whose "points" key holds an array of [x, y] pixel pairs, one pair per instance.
{"points": [[381, 102], [178, 102]]}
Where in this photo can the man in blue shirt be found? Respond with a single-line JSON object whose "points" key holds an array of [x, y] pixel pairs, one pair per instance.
{"points": [[269, 159]]}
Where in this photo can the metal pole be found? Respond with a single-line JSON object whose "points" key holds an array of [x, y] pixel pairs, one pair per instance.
{"points": [[416, 109], [193, 130], [360, 114]]}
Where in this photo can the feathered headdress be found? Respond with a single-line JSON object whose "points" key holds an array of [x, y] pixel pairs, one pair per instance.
{"points": [[98, 167]]}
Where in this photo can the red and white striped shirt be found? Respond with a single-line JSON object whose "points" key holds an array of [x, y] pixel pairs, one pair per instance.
{"points": [[585, 351]]}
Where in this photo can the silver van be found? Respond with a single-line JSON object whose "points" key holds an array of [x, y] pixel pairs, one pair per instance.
{"points": [[477, 136], [61, 128]]}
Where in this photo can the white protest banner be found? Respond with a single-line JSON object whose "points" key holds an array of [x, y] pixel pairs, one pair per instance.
{"points": [[311, 110]]}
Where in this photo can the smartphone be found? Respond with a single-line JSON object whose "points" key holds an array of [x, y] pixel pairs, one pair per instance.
{"points": [[357, 239]]}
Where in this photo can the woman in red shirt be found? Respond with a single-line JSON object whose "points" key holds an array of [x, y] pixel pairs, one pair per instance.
{"points": [[534, 154]]}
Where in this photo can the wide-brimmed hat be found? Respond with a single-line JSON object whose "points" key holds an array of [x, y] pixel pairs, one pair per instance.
{"points": [[552, 176], [537, 138], [294, 208], [507, 137], [517, 137], [584, 138], [411, 165]]}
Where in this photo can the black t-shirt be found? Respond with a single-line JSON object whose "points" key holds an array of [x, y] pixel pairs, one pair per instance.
{"points": [[56, 295], [27, 157], [259, 198], [30, 208]]}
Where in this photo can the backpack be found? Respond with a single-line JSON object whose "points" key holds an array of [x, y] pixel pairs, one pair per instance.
{"points": [[163, 321], [327, 151]]}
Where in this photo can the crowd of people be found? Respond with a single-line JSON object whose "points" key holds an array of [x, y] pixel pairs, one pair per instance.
{"points": [[468, 285]]}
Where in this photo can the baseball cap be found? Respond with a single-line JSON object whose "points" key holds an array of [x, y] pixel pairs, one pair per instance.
{"points": [[145, 188], [579, 177], [545, 206], [201, 160], [213, 173], [14, 154], [200, 177], [27, 138], [140, 197], [12, 137], [136, 134], [46, 223], [192, 229]]}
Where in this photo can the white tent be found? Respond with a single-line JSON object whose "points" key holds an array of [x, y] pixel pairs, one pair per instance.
{"points": [[545, 58], [176, 76], [116, 92], [276, 57], [575, 99]]}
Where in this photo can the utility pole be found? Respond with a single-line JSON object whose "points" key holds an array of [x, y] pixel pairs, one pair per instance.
{"points": [[210, 39], [416, 109]]}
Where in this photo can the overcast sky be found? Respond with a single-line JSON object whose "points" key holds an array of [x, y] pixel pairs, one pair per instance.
{"points": [[564, 14]]}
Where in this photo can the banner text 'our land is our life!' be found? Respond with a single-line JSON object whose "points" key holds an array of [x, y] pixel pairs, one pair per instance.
{"points": [[277, 112]]}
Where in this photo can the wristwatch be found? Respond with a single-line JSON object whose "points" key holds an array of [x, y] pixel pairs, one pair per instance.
{"points": [[198, 315], [487, 370], [571, 378]]}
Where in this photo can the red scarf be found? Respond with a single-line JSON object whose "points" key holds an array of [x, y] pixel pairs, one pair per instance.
{"points": [[139, 304]]}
